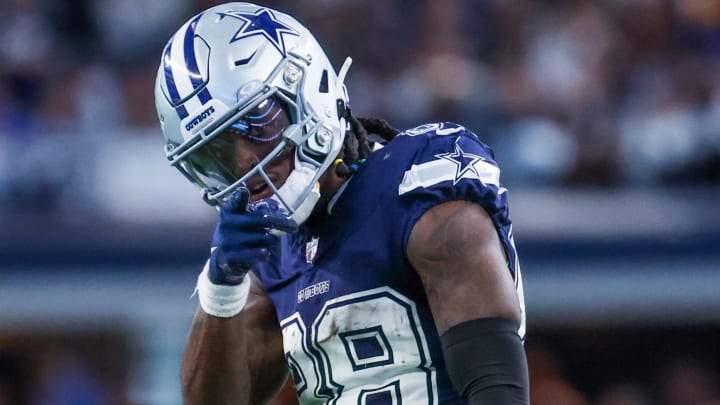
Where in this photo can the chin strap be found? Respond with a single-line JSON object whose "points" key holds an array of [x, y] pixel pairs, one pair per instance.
{"points": [[292, 192]]}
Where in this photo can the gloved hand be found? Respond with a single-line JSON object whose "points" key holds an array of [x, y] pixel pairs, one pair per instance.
{"points": [[243, 237]]}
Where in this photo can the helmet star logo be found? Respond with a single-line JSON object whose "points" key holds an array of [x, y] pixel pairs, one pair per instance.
{"points": [[464, 162], [263, 22]]}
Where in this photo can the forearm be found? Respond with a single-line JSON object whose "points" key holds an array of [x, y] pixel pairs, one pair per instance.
{"points": [[215, 366], [235, 339], [486, 362]]}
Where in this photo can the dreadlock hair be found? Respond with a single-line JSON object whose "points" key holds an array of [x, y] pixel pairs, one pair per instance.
{"points": [[357, 144]]}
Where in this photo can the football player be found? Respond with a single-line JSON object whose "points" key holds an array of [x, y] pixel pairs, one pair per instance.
{"points": [[367, 277]]}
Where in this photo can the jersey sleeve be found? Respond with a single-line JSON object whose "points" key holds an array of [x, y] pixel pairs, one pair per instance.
{"points": [[453, 164]]}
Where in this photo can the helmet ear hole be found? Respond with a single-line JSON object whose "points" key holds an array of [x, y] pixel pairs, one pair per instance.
{"points": [[324, 82]]}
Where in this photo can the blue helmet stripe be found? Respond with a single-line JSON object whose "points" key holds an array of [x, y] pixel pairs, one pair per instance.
{"points": [[170, 82], [182, 111], [169, 79], [204, 95], [189, 51], [190, 69]]}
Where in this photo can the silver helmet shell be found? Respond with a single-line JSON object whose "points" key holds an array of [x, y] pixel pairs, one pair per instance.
{"points": [[224, 62]]}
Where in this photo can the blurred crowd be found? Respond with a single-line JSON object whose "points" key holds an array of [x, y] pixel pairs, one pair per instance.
{"points": [[569, 93], [677, 380]]}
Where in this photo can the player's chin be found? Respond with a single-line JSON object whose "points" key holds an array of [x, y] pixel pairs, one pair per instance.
{"points": [[261, 189], [261, 193]]}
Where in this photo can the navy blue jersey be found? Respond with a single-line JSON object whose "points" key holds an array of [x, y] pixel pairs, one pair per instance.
{"points": [[356, 323]]}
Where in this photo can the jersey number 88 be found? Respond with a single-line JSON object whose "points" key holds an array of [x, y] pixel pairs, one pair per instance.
{"points": [[362, 348]]}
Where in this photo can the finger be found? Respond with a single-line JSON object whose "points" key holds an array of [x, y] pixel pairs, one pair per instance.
{"points": [[251, 240], [281, 223], [254, 221], [237, 202], [263, 220], [247, 258]]}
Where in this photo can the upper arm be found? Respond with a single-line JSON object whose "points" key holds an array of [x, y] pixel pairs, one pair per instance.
{"points": [[456, 251]]}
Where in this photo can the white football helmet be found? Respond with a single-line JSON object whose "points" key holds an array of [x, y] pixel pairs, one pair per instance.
{"points": [[233, 68]]}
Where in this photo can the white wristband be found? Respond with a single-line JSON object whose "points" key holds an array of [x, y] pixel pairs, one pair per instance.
{"points": [[223, 301]]}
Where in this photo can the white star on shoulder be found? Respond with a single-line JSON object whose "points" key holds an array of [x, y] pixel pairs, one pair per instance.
{"points": [[464, 162]]}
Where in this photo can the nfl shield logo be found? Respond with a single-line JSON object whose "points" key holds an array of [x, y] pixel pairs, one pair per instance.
{"points": [[311, 249]]}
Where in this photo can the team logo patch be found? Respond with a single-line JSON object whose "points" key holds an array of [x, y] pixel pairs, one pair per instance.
{"points": [[311, 249], [200, 118], [313, 290]]}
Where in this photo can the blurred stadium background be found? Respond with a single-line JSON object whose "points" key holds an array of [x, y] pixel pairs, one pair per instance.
{"points": [[605, 116]]}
